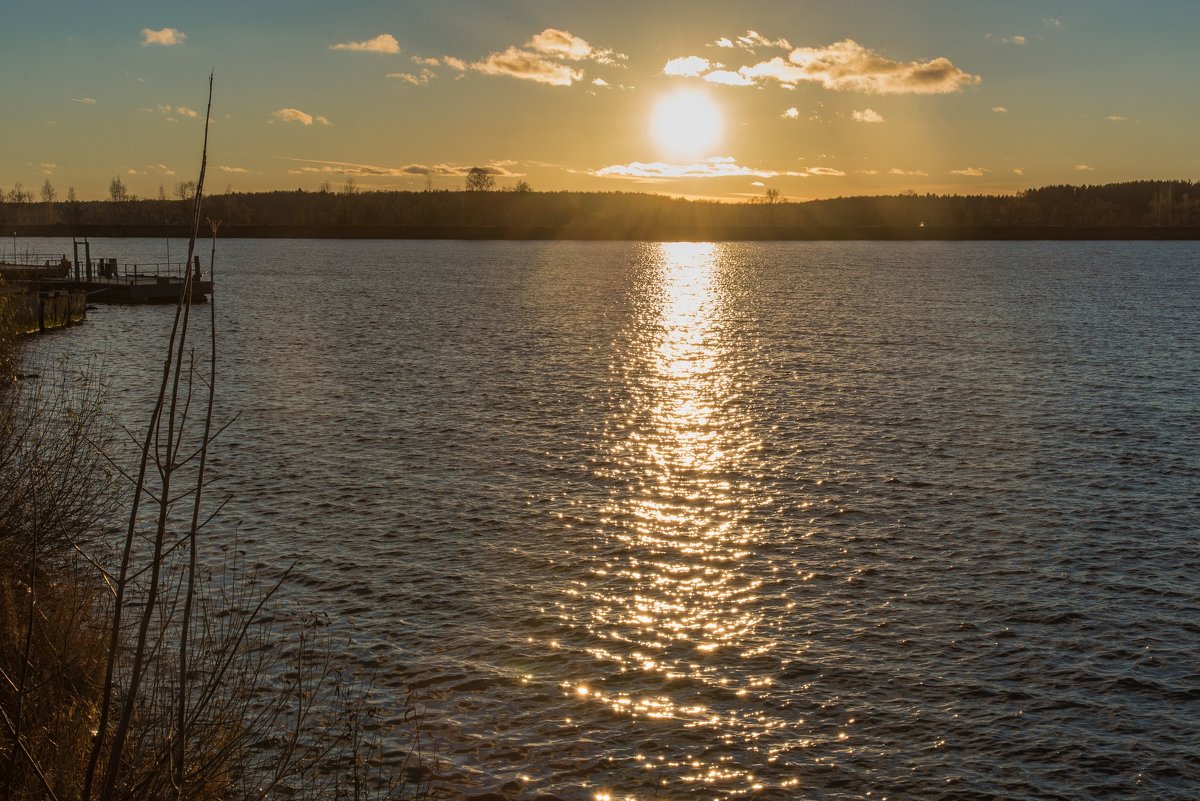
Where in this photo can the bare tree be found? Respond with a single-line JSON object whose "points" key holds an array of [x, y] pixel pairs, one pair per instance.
{"points": [[522, 187], [71, 195], [480, 180], [49, 194], [350, 187], [117, 189], [185, 189]]}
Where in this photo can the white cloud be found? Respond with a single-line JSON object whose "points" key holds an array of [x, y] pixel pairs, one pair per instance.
{"points": [[569, 47], [87, 101], [165, 37], [1085, 168], [686, 67], [1116, 118], [792, 113], [522, 64], [426, 75], [224, 168], [898, 171], [728, 78], [496, 168], [867, 172], [824, 171], [716, 167], [724, 42], [296, 115], [1052, 22], [847, 66], [48, 168], [970, 172], [999, 110], [185, 111], [383, 43], [1018, 40], [454, 63], [753, 39], [756, 183], [867, 115], [1018, 170], [600, 82], [563, 44], [431, 61]]}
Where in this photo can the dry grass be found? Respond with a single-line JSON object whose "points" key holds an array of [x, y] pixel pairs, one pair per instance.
{"points": [[130, 671]]}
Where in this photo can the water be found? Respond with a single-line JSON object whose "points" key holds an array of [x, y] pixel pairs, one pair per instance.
{"points": [[636, 520]]}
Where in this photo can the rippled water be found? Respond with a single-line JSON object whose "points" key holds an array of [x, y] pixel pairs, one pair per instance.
{"points": [[637, 520]]}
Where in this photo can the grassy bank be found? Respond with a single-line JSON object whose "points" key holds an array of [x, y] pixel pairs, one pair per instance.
{"points": [[139, 657]]}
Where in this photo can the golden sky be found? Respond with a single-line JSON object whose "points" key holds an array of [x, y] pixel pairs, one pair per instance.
{"points": [[813, 98]]}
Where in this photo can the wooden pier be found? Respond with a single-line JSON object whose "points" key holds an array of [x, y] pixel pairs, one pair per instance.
{"points": [[104, 280]]}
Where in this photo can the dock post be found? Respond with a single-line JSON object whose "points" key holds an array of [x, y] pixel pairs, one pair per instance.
{"points": [[197, 276], [87, 257], [75, 247]]}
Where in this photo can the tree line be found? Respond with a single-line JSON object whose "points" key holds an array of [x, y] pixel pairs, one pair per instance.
{"points": [[1136, 204]]}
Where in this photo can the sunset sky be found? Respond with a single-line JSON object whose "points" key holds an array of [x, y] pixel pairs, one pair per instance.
{"points": [[815, 98]]}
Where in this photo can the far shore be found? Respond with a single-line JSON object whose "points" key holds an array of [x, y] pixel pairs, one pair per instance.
{"points": [[649, 232]]}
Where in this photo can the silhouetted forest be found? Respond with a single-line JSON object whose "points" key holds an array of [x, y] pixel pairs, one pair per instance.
{"points": [[1166, 208]]}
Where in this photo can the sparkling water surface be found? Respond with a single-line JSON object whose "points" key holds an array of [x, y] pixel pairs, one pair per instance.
{"points": [[687, 520]]}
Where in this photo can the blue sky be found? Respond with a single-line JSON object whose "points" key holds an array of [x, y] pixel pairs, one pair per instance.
{"points": [[812, 98]]}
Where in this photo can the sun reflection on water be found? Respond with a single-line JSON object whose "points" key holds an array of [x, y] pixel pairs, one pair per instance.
{"points": [[671, 596]]}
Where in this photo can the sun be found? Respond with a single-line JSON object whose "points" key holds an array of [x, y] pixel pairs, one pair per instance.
{"points": [[687, 123]]}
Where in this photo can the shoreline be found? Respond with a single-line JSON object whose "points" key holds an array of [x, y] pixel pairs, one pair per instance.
{"points": [[649, 232]]}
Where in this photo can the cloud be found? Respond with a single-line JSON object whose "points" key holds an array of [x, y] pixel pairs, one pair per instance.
{"points": [[1116, 118], [792, 113], [867, 172], [541, 59], [166, 37], [757, 183], [867, 115], [1018, 170], [527, 66], [87, 101], [431, 61], [824, 171], [561, 44], [686, 67], [724, 42], [753, 39], [728, 78], [1018, 40], [426, 75], [496, 168], [1085, 168], [1052, 22], [48, 168], [224, 168], [185, 111], [846, 66], [383, 43], [161, 169], [898, 171], [970, 172], [296, 115], [716, 167], [999, 110], [603, 84]]}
